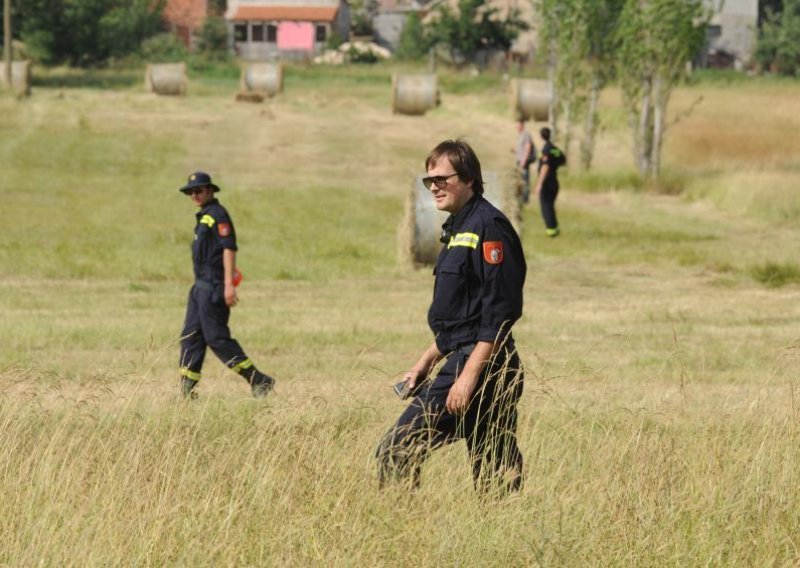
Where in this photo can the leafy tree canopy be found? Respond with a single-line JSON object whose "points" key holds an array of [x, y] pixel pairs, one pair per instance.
{"points": [[85, 32], [778, 46], [474, 25]]}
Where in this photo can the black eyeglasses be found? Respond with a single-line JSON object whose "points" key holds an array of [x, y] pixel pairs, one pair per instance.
{"points": [[195, 191], [438, 181]]}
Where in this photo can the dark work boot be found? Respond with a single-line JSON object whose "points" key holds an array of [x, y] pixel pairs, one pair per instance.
{"points": [[261, 384], [187, 388]]}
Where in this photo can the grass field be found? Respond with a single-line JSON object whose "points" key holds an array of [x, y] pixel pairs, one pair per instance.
{"points": [[661, 336]]}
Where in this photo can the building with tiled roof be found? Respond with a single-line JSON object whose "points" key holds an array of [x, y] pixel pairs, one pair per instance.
{"points": [[285, 29]]}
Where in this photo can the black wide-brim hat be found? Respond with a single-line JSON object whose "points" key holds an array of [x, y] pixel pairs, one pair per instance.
{"points": [[199, 179]]}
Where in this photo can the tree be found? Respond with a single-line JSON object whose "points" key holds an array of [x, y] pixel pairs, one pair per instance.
{"points": [[602, 21], [124, 26], [86, 32], [778, 46], [474, 25], [7, 56], [414, 42], [577, 36], [565, 40], [363, 12], [657, 38], [214, 37]]}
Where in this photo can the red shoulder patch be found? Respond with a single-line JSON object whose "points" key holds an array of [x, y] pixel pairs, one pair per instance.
{"points": [[224, 229], [493, 252]]}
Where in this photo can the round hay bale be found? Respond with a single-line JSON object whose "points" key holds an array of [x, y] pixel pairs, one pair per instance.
{"points": [[20, 77], [422, 223], [530, 99], [405, 232], [166, 78], [262, 78], [414, 94]]}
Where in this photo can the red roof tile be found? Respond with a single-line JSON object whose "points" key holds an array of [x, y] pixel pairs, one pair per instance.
{"points": [[293, 13]]}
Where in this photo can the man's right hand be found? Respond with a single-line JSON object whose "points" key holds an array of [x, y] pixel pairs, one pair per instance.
{"points": [[412, 377]]}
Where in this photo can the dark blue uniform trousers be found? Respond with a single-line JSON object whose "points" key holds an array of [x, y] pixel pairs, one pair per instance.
{"points": [[547, 202], [206, 324], [488, 426]]}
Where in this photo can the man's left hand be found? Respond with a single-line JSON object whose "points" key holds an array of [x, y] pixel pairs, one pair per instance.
{"points": [[460, 393], [231, 299]]}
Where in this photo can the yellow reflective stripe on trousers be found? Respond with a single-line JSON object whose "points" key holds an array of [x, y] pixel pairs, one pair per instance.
{"points": [[464, 240], [207, 220], [190, 374], [246, 364]]}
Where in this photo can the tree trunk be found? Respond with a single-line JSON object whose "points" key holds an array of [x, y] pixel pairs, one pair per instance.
{"points": [[590, 126], [661, 95], [7, 41], [552, 109], [645, 133], [568, 106]]}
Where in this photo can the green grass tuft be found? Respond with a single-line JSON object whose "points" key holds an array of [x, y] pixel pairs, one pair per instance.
{"points": [[776, 275]]}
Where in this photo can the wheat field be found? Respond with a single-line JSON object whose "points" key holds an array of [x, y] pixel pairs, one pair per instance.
{"points": [[661, 337]]}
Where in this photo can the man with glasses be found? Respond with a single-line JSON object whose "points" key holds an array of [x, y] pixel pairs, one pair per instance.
{"points": [[477, 297], [213, 294]]}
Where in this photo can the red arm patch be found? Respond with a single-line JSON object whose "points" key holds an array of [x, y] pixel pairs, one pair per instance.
{"points": [[224, 229], [493, 252]]}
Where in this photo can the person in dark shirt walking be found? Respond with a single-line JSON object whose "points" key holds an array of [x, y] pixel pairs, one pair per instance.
{"points": [[213, 294], [477, 297], [547, 186]]}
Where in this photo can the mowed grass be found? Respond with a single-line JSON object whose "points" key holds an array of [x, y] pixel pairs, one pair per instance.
{"points": [[660, 336]]}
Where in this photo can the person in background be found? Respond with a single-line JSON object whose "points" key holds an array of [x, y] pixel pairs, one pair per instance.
{"points": [[526, 156], [547, 186]]}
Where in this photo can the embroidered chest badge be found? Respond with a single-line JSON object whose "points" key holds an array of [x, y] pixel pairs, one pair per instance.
{"points": [[493, 252], [224, 229]]}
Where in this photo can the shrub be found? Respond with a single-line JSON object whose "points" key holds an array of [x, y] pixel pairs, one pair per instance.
{"points": [[214, 38], [164, 48], [775, 275], [362, 56], [334, 41], [414, 43]]}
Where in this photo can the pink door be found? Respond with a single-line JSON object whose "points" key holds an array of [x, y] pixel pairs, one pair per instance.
{"points": [[296, 35]]}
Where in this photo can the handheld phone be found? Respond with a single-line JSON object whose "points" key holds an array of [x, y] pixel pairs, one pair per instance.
{"points": [[401, 390]]}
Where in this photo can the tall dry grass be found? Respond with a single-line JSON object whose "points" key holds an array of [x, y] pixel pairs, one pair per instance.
{"points": [[124, 476], [659, 420]]}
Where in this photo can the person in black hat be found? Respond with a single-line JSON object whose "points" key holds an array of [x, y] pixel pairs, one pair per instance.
{"points": [[213, 294]]}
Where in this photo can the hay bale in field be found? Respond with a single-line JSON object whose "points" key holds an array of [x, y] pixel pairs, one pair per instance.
{"points": [[265, 79], [166, 78], [418, 236], [530, 99], [20, 77], [414, 94]]}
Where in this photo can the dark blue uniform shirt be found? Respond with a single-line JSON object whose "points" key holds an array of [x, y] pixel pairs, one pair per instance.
{"points": [[480, 273], [213, 234], [553, 157]]}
